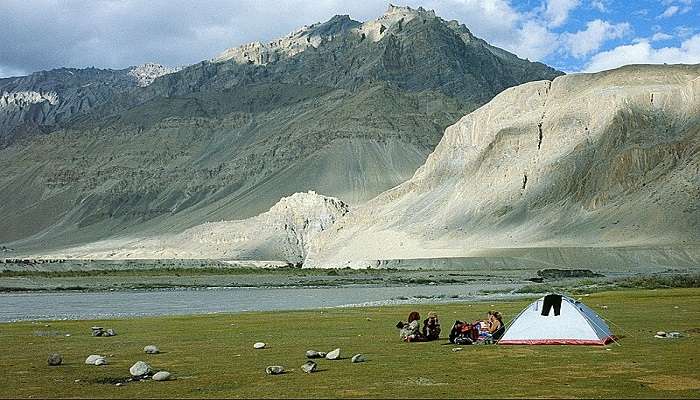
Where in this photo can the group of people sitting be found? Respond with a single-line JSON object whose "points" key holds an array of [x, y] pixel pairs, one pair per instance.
{"points": [[410, 331], [484, 331]]}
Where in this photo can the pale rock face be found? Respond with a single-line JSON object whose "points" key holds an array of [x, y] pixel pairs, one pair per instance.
{"points": [[145, 74], [312, 36], [13, 101], [578, 161], [294, 43], [393, 18], [282, 233]]}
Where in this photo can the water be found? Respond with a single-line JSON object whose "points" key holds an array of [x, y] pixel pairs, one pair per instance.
{"points": [[102, 305]]}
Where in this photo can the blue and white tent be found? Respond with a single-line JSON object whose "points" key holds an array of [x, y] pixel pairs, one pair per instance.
{"points": [[557, 319]]}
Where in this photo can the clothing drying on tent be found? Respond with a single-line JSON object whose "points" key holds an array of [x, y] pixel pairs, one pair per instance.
{"points": [[557, 319]]}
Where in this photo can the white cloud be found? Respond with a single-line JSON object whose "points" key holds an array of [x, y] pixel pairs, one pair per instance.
{"points": [[592, 38], [684, 31], [535, 41], [669, 2], [9, 71], [672, 9], [660, 37], [670, 12], [643, 53], [599, 5], [497, 22], [44, 34], [557, 11]]}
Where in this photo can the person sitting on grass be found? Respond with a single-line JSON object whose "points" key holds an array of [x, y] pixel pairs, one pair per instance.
{"points": [[410, 331], [496, 326], [431, 327], [492, 329], [463, 333]]}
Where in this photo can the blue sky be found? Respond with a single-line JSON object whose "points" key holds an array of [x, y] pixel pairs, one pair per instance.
{"points": [[571, 35]]}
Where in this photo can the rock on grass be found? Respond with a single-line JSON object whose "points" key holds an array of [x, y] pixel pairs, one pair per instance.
{"points": [[309, 367], [151, 349], [161, 376], [140, 369], [333, 355], [55, 359], [274, 370]]}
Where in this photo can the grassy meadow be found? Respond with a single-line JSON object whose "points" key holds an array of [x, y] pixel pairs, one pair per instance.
{"points": [[213, 355]]}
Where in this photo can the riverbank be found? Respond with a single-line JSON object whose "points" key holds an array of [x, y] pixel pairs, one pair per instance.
{"points": [[213, 356], [27, 275]]}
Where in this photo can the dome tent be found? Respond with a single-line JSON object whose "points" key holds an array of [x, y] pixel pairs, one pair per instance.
{"points": [[557, 319]]}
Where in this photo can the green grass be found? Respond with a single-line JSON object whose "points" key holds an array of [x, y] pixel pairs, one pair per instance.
{"points": [[636, 282], [212, 355], [660, 282]]}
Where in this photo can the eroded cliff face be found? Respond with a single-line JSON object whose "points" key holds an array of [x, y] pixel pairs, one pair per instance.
{"points": [[280, 234], [606, 159], [294, 43], [145, 74]]}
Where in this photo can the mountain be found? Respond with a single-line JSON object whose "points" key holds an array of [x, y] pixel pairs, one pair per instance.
{"points": [[280, 234], [44, 101], [583, 170], [347, 109]]}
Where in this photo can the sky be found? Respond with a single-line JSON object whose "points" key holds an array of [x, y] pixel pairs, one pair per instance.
{"points": [[570, 35]]}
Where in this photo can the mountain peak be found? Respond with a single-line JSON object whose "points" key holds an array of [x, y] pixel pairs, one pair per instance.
{"points": [[394, 17], [290, 45], [146, 73], [407, 10]]}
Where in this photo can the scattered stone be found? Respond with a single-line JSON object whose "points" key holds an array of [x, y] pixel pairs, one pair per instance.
{"points": [[358, 358], [67, 334], [118, 384], [151, 349], [333, 355], [96, 359], [315, 354], [660, 334], [161, 376], [55, 359], [259, 345], [456, 349], [140, 369], [674, 335], [100, 331], [77, 381], [274, 370], [309, 367]]}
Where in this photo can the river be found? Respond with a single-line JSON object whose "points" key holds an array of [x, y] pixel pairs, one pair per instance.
{"points": [[136, 303]]}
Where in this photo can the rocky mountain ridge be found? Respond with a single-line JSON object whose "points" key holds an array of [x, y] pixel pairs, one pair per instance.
{"points": [[145, 74], [350, 118]]}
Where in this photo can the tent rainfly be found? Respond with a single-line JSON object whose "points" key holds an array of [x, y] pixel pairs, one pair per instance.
{"points": [[557, 319]]}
